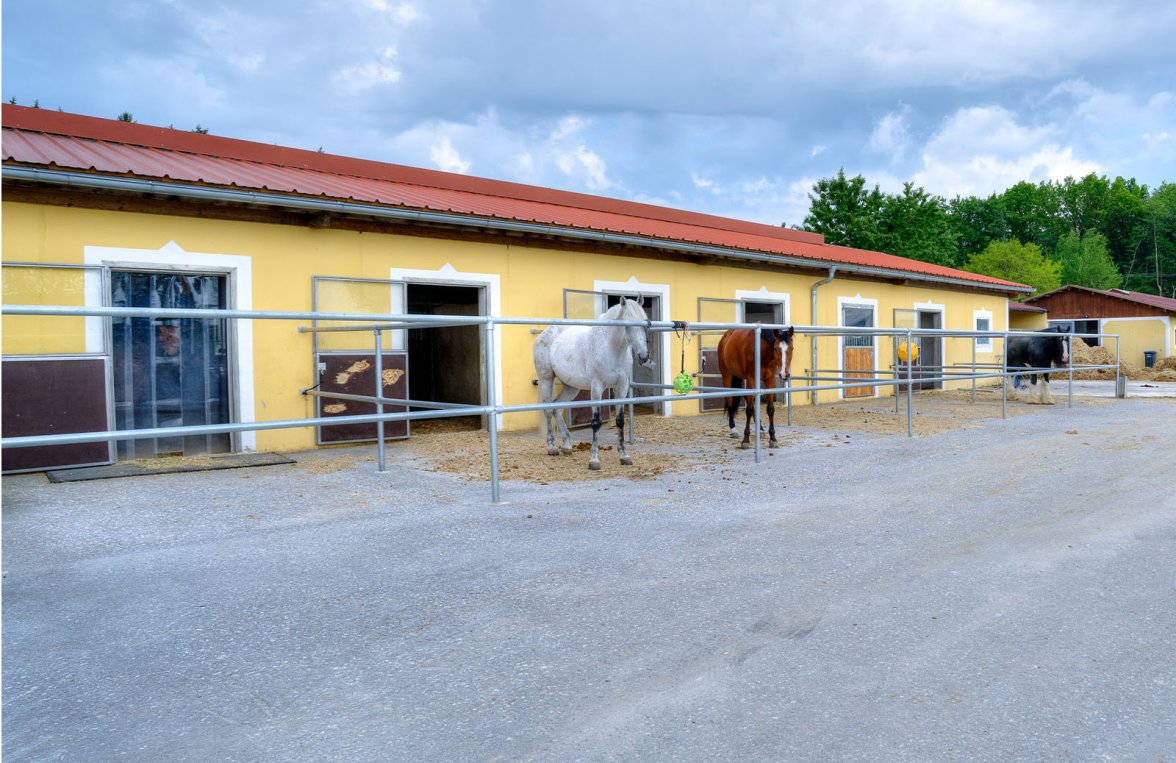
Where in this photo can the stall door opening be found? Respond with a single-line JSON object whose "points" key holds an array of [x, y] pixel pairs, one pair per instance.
{"points": [[447, 362], [930, 349], [170, 372]]}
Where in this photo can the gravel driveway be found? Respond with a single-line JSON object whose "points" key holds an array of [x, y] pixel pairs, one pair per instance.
{"points": [[1002, 593]]}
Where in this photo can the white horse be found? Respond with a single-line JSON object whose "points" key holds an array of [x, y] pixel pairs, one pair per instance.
{"points": [[594, 358]]}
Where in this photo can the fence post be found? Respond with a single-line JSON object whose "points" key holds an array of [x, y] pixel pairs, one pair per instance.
{"points": [[379, 406], [758, 387], [492, 418]]}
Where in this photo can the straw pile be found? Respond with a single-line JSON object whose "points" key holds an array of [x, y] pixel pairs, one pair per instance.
{"points": [[1083, 354]]}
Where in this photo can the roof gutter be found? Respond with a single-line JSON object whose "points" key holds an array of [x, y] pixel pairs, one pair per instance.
{"points": [[316, 204]]}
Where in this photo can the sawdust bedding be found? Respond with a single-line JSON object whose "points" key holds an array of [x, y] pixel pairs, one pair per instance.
{"points": [[682, 443]]}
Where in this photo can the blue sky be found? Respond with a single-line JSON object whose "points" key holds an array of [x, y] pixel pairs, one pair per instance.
{"points": [[733, 108]]}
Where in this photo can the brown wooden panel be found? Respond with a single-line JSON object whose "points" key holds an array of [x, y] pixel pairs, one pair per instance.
{"points": [[711, 378], [859, 364], [355, 374], [582, 417], [55, 396]]}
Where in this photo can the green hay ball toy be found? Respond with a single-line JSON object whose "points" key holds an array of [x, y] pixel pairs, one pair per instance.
{"points": [[683, 383]]}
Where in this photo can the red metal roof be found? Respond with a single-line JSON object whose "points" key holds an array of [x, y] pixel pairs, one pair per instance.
{"points": [[1151, 300], [1021, 307], [1155, 300], [40, 137]]}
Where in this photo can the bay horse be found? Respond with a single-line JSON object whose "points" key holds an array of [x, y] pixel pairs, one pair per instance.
{"points": [[1037, 352], [737, 366], [594, 358]]}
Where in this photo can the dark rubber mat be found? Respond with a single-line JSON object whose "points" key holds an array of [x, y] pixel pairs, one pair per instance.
{"points": [[168, 466]]}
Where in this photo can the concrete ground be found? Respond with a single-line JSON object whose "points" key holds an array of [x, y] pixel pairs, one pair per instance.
{"points": [[990, 594], [1107, 388]]}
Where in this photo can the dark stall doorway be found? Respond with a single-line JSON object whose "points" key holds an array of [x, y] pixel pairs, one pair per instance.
{"points": [[446, 363], [931, 349], [170, 372]]}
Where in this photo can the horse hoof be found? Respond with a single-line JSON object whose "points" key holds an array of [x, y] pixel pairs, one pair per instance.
{"points": [[626, 461], [553, 451], [745, 445], [565, 451], [594, 466], [774, 444], [734, 435]]}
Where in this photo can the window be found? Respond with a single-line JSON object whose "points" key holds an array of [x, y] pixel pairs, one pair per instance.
{"points": [[982, 320]]}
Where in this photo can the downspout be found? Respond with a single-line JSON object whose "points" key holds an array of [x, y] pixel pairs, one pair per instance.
{"points": [[817, 285]]}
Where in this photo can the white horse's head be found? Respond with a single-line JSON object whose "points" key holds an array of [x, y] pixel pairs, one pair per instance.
{"points": [[637, 336]]}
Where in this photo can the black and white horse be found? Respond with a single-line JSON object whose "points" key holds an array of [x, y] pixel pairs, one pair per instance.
{"points": [[1037, 352]]}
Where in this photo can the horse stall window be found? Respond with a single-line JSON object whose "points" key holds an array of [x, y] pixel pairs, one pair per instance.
{"points": [[651, 374], [56, 370], [345, 361], [55, 396], [170, 373], [858, 349], [589, 305], [447, 362]]}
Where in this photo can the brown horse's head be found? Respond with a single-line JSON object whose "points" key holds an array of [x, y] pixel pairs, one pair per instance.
{"points": [[785, 338]]}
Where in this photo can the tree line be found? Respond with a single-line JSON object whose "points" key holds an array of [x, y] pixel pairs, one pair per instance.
{"points": [[1090, 231]]}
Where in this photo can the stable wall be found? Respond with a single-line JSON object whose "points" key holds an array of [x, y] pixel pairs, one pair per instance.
{"points": [[276, 264], [1139, 334]]}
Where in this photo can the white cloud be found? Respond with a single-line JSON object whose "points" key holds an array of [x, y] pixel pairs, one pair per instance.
{"points": [[370, 74], [585, 165], [446, 158], [401, 13], [983, 150], [891, 136]]}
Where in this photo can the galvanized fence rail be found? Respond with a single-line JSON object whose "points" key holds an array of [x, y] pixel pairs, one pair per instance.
{"points": [[901, 377]]}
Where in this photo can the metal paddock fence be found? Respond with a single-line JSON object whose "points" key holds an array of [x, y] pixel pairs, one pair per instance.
{"points": [[900, 376]]}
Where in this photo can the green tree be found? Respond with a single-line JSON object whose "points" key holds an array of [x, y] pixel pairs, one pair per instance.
{"points": [[915, 224], [126, 116], [1083, 203], [977, 223], [1032, 214], [1125, 221], [1086, 261], [845, 212], [1152, 268], [1014, 261]]}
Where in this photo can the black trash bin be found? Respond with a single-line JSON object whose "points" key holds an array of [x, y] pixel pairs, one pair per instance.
{"points": [[1149, 358]]}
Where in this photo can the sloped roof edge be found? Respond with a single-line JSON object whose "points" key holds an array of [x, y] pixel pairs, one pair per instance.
{"points": [[46, 146], [1151, 300]]}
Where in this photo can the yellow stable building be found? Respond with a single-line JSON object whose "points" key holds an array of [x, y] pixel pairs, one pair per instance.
{"points": [[100, 213]]}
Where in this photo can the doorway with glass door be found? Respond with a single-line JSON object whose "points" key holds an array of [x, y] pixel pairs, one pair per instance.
{"points": [[170, 372]]}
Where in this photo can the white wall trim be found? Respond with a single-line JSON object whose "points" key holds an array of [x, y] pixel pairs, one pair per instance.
{"points": [[447, 275], [170, 257], [763, 295], [660, 290]]}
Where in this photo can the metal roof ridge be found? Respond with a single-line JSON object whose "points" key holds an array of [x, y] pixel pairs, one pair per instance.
{"points": [[169, 139]]}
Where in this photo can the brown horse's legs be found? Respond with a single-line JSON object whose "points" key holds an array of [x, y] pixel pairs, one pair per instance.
{"points": [[750, 401], [732, 405], [772, 442]]}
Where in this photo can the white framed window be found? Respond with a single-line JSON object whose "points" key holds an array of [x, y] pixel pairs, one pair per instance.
{"points": [[982, 321]]}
